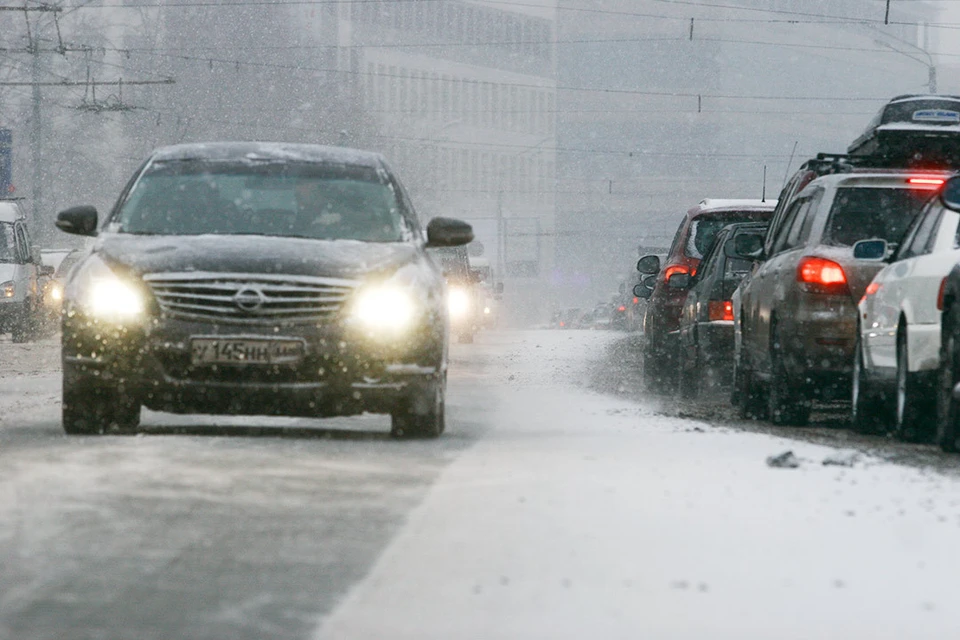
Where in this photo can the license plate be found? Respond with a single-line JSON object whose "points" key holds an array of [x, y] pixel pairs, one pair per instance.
{"points": [[245, 351]]}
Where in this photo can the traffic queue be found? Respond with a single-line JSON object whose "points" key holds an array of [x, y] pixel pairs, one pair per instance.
{"points": [[847, 287]]}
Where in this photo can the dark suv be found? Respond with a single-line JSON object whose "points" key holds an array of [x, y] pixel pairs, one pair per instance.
{"points": [[253, 278], [695, 235]]}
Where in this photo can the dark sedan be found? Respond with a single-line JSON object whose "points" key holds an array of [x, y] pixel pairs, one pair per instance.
{"points": [[254, 278], [706, 323]]}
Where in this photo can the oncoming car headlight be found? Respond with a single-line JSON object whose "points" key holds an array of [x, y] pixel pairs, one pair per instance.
{"points": [[458, 302], [103, 294], [385, 309], [8, 289]]}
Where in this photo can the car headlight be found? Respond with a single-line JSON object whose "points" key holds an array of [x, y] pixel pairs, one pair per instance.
{"points": [[56, 292], [385, 309], [8, 289], [459, 302], [103, 294]]}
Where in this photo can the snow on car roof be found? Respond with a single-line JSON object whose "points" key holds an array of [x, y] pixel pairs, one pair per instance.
{"points": [[269, 151], [10, 212], [716, 204]]}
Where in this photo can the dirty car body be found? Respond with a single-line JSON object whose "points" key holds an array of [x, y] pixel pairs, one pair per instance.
{"points": [[237, 278]]}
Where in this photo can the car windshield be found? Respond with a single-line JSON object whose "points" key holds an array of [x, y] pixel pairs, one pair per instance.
{"points": [[8, 245], [271, 199], [861, 213], [704, 229]]}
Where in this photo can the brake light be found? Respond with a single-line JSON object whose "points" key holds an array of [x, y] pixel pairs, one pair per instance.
{"points": [[674, 269], [720, 310], [943, 288], [932, 182], [621, 308], [872, 288], [819, 275], [636, 301]]}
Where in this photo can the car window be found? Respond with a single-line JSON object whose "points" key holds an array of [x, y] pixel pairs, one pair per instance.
{"points": [[793, 214], [861, 213], [294, 200], [8, 243], [23, 243], [709, 264], [704, 229], [917, 240]]}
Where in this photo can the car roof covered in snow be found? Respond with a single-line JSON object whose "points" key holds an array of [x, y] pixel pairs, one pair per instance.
{"points": [[717, 204], [10, 212], [268, 151]]}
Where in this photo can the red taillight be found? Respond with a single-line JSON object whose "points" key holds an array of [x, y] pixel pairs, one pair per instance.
{"points": [[929, 182], [621, 308], [720, 310], [872, 288], [943, 288], [636, 301], [563, 324], [673, 269], [819, 275]]}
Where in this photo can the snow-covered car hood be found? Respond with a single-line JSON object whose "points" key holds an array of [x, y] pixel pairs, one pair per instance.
{"points": [[254, 254]]}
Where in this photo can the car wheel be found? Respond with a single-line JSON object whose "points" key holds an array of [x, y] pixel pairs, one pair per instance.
{"points": [[749, 393], [948, 408], [421, 417], [786, 401], [689, 383], [98, 409], [912, 400], [867, 407]]}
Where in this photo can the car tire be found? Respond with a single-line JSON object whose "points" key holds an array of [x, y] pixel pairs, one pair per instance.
{"points": [[786, 401], [98, 409], [423, 417], [948, 408], [689, 383], [912, 401], [867, 407], [749, 393]]}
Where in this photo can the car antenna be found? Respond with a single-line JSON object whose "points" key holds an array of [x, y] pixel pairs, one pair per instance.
{"points": [[763, 196], [786, 174]]}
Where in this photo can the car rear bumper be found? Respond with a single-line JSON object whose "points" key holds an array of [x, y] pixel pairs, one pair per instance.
{"points": [[820, 338]]}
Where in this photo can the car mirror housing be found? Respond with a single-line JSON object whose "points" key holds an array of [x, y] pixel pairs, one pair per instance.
{"points": [[81, 221], [679, 281], [871, 250], [649, 265], [950, 193], [642, 291], [448, 232]]}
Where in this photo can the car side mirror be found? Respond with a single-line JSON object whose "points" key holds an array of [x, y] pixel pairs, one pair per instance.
{"points": [[871, 250], [45, 270], [81, 221], [950, 194], [448, 232], [745, 246], [642, 291], [679, 281], [649, 265]]}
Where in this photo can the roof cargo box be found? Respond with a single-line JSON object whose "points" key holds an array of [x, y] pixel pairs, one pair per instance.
{"points": [[913, 130]]}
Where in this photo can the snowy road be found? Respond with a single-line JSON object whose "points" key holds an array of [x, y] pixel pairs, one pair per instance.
{"points": [[547, 511]]}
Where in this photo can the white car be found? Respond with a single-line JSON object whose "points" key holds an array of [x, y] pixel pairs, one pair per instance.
{"points": [[898, 354]]}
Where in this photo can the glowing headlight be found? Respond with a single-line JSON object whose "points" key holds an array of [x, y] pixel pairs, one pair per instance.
{"points": [[8, 289], [458, 301], [486, 311], [113, 299], [56, 292], [385, 309]]}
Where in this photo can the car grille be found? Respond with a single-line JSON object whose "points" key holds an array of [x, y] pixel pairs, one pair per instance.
{"points": [[248, 298]]}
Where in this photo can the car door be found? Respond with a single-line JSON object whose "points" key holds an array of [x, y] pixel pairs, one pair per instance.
{"points": [[779, 274], [699, 292], [892, 290]]}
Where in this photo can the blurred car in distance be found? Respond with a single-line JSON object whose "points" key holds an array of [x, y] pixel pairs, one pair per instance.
{"points": [[21, 275]]}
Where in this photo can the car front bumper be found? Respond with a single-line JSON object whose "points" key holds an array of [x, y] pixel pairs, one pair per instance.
{"points": [[339, 374]]}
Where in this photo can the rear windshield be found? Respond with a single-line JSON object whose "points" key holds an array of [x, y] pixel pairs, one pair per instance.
{"points": [[704, 229], [861, 213], [273, 199]]}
